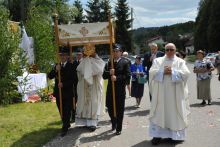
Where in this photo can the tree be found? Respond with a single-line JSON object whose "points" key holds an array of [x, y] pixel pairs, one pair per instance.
{"points": [[123, 23], [201, 25], [105, 10], [79, 18], [214, 27], [9, 59], [39, 27], [93, 11]]}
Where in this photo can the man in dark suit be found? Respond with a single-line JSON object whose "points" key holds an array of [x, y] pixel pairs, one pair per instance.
{"points": [[67, 77], [76, 62], [149, 57], [119, 75]]}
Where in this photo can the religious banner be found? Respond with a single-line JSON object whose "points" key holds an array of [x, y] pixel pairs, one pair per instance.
{"points": [[81, 34]]}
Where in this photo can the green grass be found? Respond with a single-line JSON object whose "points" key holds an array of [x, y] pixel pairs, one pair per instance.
{"points": [[28, 124]]}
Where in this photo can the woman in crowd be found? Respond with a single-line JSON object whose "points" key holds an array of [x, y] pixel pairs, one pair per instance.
{"points": [[138, 79], [203, 69]]}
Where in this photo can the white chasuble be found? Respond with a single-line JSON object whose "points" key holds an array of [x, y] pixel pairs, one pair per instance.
{"points": [[89, 88], [170, 105]]}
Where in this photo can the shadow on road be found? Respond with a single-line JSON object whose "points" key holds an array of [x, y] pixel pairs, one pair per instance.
{"points": [[107, 135], [139, 113], [164, 143], [199, 105]]}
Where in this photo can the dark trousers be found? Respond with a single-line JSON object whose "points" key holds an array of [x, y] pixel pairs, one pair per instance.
{"points": [[66, 111], [120, 105]]}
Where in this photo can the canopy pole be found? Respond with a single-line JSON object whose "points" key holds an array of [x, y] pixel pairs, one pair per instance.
{"points": [[112, 63], [58, 60]]}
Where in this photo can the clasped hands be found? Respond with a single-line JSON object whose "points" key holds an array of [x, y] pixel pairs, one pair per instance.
{"points": [[167, 70]]}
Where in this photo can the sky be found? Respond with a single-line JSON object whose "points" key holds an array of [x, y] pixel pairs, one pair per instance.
{"points": [[156, 13]]}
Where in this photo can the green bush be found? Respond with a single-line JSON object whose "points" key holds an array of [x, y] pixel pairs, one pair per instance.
{"points": [[9, 59]]}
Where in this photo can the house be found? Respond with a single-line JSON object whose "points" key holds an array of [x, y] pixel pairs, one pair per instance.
{"points": [[157, 40], [189, 47]]}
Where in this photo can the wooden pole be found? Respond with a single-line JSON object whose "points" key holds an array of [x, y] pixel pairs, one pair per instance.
{"points": [[112, 64], [58, 59]]}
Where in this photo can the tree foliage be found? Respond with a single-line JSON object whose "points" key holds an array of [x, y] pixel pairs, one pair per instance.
{"points": [[79, 17], [214, 27], [39, 27], [123, 23], [201, 25], [10, 59], [105, 10], [93, 11]]}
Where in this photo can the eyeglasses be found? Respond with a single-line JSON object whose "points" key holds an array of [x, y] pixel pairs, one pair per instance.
{"points": [[169, 50]]}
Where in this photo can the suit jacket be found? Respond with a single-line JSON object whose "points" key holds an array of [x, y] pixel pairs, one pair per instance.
{"points": [[67, 77], [122, 73], [147, 61]]}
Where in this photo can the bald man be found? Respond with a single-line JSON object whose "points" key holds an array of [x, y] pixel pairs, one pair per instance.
{"points": [[169, 107]]}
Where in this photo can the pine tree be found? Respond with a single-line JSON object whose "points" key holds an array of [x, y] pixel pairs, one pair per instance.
{"points": [[94, 11], [123, 23], [201, 26], [79, 17], [214, 26], [105, 10]]}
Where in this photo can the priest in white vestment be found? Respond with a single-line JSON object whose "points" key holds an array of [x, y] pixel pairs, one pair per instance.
{"points": [[170, 105], [89, 89]]}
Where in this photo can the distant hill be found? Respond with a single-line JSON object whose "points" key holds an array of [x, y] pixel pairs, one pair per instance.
{"points": [[170, 33]]}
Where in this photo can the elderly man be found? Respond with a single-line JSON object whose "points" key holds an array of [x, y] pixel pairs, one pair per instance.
{"points": [[149, 57], [169, 109]]}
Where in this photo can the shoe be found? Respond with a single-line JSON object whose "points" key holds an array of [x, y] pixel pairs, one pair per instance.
{"points": [[92, 128], [113, 127], [118, 133], [63, 132], [209, 102], [155, 141], [203, 102]]}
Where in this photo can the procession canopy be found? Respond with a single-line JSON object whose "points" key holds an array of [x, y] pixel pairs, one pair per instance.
{"points": [[85, 33]]}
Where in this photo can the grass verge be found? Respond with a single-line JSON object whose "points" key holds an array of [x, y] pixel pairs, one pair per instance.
{"points": [[28, 124]]}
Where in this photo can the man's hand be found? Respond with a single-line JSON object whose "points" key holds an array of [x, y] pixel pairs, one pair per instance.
{"points": [[58, 67], [113, 78], [167, 70], [60, 85], [112, 71]]}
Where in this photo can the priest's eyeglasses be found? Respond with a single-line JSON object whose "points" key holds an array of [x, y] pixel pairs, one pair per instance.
{"points": [[169, 50]]}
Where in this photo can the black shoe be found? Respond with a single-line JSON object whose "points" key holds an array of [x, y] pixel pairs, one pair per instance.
{"points": [[155, 141], [118, 133], [113, 127], [209, 102], [203, 102], [64, 132], [92, 128]]}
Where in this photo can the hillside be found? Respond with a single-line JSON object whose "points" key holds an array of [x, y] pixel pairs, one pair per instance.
{"points": [[169, 34]]}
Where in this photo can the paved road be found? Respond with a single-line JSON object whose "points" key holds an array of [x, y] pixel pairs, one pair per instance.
{"points": [[203, 130]]}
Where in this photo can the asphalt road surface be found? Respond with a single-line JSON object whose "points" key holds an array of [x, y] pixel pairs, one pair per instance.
{"points": [[203, 130]]}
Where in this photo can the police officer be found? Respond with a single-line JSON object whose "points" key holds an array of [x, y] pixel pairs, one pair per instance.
{"points": [[119, 75]]}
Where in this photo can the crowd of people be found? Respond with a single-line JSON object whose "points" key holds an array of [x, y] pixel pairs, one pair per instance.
{"points": [[79, 88]]}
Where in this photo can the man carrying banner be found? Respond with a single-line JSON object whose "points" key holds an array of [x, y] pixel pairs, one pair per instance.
{"points": [[119, 75], [66, 85], [89, 88]]}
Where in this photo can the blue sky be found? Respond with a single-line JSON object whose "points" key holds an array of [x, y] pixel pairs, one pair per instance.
{"points": [[154, 13]]}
